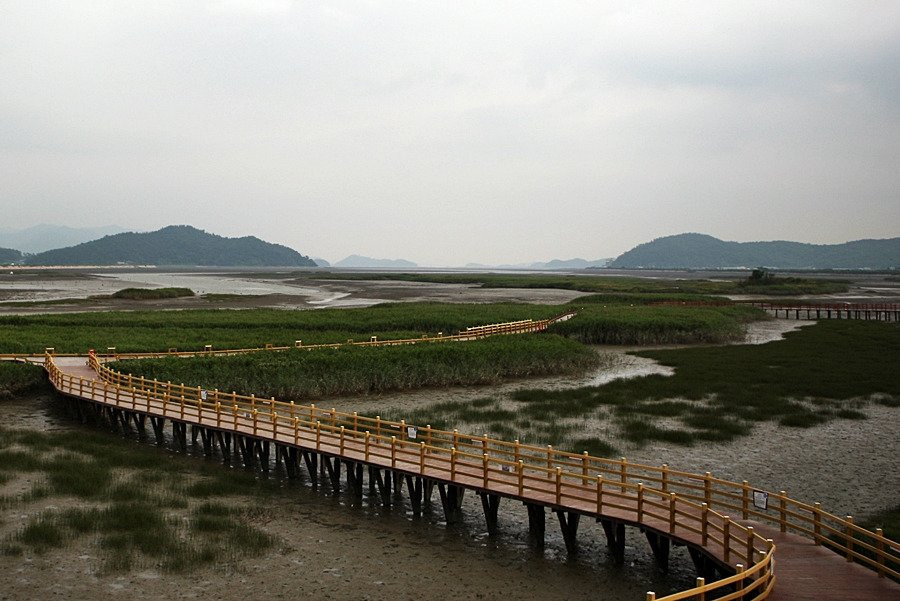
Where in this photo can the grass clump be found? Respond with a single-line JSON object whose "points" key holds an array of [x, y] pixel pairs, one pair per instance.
{"points": [[20, 378], [152, 293]]}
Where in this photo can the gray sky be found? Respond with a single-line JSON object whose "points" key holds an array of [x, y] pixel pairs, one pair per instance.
{"points": [[455, 131]]}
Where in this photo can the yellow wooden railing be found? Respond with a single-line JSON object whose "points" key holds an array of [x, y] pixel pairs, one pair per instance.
{"points": [[680, 501], [566, 480]]}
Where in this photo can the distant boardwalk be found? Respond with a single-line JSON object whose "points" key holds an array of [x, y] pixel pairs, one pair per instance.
{"points": [[889, 312]]}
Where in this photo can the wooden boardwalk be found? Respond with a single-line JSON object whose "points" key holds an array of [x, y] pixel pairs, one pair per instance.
{"points": [[753, 556]]}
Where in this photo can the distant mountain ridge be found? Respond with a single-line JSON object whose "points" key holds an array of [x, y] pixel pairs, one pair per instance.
{"points": [[43, 237], [700, 251], [174, 245], [358, 261]]}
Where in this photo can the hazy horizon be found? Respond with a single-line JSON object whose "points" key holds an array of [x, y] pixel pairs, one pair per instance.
{"points": [[451, 134]]}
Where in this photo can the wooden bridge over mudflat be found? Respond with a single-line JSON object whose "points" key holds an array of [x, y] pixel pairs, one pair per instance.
{"points": [[889, 312], [746, 543]]}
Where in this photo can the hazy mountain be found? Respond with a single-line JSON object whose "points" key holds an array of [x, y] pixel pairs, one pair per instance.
{"points": [[697, 251], [46, 237], [320, 262], [174, 245], [570, 264], [8, 255], [357, 261]]}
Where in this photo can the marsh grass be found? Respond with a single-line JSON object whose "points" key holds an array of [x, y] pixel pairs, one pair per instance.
{"points": [[816, 374], [300, 374], [21, 378], [129, 501]]}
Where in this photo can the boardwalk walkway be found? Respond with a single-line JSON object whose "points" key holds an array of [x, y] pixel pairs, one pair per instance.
{"points": [[758, 560]]}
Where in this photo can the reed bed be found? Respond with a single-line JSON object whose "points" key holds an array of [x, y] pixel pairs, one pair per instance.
{"points": [[300, 374]]}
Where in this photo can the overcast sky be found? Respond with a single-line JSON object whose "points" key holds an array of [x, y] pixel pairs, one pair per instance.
{"points": [[450, 132]]}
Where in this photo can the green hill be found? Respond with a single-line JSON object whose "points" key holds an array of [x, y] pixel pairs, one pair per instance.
{"points": [[174, 245], [8, 255], [699, 251]]}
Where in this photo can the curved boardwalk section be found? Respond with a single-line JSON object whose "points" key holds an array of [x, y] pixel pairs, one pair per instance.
{"points": [[746, 544]]}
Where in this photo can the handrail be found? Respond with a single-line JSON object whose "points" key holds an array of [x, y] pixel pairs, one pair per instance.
{"points": [[670, 495], [483, 464], [723, 495], [470, 333]]}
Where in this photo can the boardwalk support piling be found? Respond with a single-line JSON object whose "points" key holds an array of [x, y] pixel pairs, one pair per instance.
{"points": [[568, 523], [536, 524], [490, 504], [615, 539], [660, 545], [414, 485], [451, 499]]}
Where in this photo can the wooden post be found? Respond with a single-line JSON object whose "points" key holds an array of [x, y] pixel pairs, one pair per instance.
{"points": [[700, 583], [422, 458], [452, 464], [318, 434], [599, 494], [296, 431], [393, 451], [520, 470], [849, 530], [671, 513], [584, 467], [218, 414], [664, 485], [704, 523], [817, 523], [651, 596], [623, 472], [782, 514], [640, 501], [484, 460], [342, 440], [739, 585], [726, 537], [750, 545], [745, 499], [707, 487], [367, 445], [879, 538], [549, 456], [558, 485]]}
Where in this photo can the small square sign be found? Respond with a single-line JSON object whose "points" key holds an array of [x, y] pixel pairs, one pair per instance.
{"points": [[760, 499]]}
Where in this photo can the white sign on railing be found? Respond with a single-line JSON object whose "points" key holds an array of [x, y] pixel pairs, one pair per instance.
{"points": [[411, 432], [760, 499]]}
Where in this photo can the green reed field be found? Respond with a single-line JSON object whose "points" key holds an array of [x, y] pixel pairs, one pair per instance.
{"points": [[300, 374], [602, 319]]}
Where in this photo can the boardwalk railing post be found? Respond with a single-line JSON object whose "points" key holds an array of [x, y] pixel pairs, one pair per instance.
{"points": [[393, 451], [849, 530], [255, 419], [879, 537], [342, 440], [704, 523], [623, 473], [745, 499], [782, 514], [739, 585], [367, 445], [651, 596], [218, 414], [558, 485], [484, 460], [584, 468], [599, 494], [671, 513], [318, 434], [707, 487], [422, 458], [640, 501], [726, 537], [701, 582], [664, 485], [750, 545], [296, 431], [452, 464], [520, 470]]}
